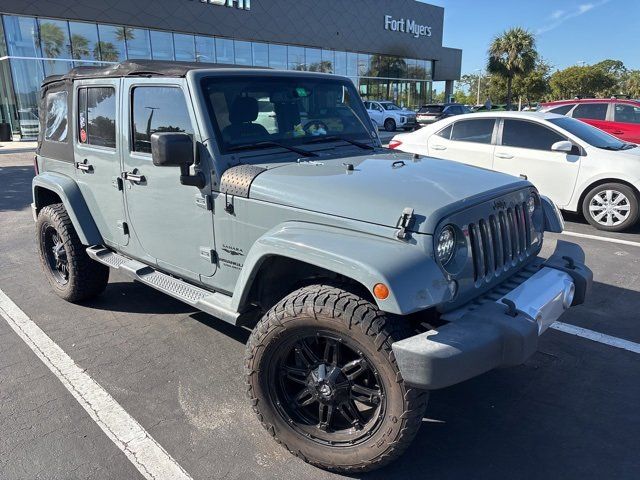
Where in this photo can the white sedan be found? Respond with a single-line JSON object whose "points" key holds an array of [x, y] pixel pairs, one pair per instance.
{"points": [[580, 167]]}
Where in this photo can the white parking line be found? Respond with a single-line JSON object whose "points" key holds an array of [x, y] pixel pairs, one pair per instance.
{"points": [[597, 337], [141, 449], [604, 239]]}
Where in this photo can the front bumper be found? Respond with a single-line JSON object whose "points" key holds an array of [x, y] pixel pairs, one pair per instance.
{"points": [[498, 333]]}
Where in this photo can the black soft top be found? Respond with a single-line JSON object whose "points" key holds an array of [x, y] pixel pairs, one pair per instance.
{"points": [[151, 68]]}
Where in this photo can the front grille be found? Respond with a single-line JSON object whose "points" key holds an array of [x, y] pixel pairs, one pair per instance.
{"points": [[500, 241]]}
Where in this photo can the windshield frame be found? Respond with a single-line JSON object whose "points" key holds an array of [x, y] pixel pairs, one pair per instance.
{"points": [[608, 142], [367, 135]]}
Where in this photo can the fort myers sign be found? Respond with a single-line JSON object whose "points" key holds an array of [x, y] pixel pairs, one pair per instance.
{"points": [[406, 25]]}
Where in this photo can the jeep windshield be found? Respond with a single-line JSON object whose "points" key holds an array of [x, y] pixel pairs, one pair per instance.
{"points": [[284, 111]]}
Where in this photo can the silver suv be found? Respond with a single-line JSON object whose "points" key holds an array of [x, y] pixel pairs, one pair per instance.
{"points": [[368, 277]]}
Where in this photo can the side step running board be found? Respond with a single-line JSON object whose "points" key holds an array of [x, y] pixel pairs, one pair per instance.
{"points": [[213, 303]]}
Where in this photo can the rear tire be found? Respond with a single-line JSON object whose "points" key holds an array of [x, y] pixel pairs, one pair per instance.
{"points": [[390, 125], [612, 207], [72, 274], [311, 344]]}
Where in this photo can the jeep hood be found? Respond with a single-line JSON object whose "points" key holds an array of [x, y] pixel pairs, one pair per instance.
{"points": [[380, 187]]}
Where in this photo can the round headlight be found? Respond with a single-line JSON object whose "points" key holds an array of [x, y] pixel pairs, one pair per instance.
{"points": [[531, 204], [446, 245]]}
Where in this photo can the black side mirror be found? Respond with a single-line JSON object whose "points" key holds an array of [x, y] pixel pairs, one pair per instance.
{"points": [[176, 150], [172, 150]]}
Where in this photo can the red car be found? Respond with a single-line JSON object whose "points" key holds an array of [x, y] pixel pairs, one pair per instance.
{"points": [[618, 117]]}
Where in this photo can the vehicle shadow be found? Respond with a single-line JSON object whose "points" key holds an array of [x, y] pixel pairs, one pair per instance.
{"points": [[15, 187], [586, 227]]}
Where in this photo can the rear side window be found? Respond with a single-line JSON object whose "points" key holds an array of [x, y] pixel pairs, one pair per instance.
{"points": [[626, 113], [57, 125], [476, 131], [431, 109], [445, 132], [97, 116], [158, 110], [562, 110], [591, 111], [530, 135]]}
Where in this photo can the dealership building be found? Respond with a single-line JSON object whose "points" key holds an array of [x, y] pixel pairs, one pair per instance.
{"points": [[390, 49]]}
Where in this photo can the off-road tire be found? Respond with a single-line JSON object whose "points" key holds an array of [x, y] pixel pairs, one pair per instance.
{"points": [[86, 277], [390, 125], [629, 193], [327, 307]]}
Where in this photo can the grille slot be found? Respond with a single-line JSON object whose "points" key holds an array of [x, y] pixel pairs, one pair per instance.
{"points": [[500, 241]]}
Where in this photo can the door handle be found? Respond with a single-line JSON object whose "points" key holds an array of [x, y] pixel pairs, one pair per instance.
{"points": [[84, 166], [506, 156], [617, 132], [134, 177], [439, 147]]}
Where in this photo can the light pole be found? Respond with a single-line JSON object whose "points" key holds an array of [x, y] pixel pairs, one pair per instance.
{"points": [[479, 78]]}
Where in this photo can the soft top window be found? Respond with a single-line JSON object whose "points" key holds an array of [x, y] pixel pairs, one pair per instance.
{"points": [[57, 124]]}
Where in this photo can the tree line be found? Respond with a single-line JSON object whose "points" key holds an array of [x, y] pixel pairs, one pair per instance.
{"points": [[516, 72]]}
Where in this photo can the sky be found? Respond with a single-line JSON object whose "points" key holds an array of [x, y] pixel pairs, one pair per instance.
{"points": [[567, 32]]}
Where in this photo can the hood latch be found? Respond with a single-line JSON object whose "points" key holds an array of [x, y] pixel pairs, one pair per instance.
{"points": [[404, 223]]}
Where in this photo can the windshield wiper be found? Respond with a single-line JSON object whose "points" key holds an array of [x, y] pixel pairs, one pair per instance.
{"points": [[270, 144], [335, 138]]}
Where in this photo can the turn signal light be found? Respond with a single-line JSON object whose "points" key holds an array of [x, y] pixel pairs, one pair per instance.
{"points": [[381, 291], [394, 144]]}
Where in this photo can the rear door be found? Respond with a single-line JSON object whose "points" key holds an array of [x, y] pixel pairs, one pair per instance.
{"points": [[376, 112], [524, 148], [171, 222], [467, 141], [594, 114], [626, 122], [97, 155]]}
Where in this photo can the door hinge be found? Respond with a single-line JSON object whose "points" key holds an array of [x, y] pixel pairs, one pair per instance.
{"points": [[404, 223], [124, 227], [209, 254], [204, 202]]}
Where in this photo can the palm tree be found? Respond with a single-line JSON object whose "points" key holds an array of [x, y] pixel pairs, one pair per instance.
{"points": [[80, 45], [512, 53], [52, 38], [106, 51]]}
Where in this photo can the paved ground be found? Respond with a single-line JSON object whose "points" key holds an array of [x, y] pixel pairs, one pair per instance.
{"points": [[570, 412]]}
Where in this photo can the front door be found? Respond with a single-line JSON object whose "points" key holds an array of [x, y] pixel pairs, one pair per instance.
{"points": [[97, 156], [526, 150], [626, 122], [170, 221], [376, 113]]}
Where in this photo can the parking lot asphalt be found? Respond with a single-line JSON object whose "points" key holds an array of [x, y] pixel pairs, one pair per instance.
{"points": [[569, 412]]}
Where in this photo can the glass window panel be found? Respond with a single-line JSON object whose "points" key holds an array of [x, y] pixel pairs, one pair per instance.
{"points": [[352, 64], [364, 64], [22, 36], [522, 134], [328, 61], [626, 113], [84, 41], [158, 109], [295, 57], [162, 45], [476, 131], [341, 63], [112, 43], [57, 117], [428, 68], [3, 45], [54, 39], [205, 49], [185, 47], [243, 54], [224, 51], [592, 111], [27, 77], [138, 43], [278, 56], [260, 54], [97, 116], [313, 59]]}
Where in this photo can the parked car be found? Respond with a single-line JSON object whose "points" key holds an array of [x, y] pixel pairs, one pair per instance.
{"points": [[580, 167], [499, 107], [390, 116], [428, 114], [617, 116], [333, 250]]}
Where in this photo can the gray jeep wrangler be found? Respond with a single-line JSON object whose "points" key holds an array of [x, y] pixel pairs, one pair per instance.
{"points": [[265, 199]]}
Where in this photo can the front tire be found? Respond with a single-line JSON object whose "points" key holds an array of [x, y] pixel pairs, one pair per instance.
{"points": [[324, 382], [390, 125], [72, 274], [611, 207]]}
